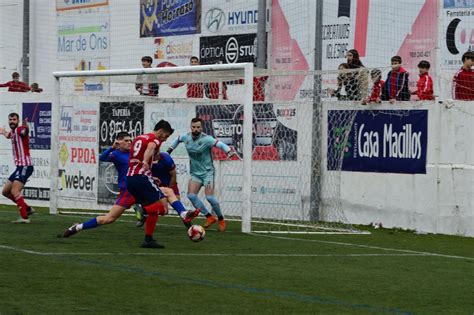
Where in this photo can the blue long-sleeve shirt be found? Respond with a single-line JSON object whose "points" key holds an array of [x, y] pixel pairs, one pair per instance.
{"points": [[163, 168], [120, 160]]}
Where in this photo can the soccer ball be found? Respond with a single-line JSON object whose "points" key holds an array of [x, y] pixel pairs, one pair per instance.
{"points": [[196, 233]]}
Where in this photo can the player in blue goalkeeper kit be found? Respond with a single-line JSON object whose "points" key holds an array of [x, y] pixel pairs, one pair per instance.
{"points": [[199, 146]]}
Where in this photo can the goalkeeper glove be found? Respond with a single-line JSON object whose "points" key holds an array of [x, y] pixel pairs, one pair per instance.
{"points": [[170, 149]]}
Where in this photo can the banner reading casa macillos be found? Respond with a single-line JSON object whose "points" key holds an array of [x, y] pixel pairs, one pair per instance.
{"points": [[385, 141]]}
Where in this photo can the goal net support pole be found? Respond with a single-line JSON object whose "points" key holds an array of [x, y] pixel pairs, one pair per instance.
{"points": [[245, 70]]}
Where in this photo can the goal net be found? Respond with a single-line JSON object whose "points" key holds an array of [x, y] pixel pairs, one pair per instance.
{"points": [[285, 176]]}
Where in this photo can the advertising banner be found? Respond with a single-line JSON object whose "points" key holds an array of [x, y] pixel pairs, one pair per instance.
{"points": [[176, 50], [457, 35], [39, 121], [178, 115], [38, 184], [227, 49], [83, 43], [368, 27], [78, 152], [67, 5], [271, 139], [385, 141], [221, 17], [114, 118], [168, 18]]}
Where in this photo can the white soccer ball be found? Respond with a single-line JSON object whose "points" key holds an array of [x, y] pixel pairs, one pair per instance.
{"points": [[196, 233]]}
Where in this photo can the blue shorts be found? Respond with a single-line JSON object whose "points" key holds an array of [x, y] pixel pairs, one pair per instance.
{"points": [[21, 174], [125, 199], [144, 189]]}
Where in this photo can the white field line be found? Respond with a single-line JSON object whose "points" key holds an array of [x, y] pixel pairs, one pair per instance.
{"points": [[33, 252], [406, 251], [368, 246]]}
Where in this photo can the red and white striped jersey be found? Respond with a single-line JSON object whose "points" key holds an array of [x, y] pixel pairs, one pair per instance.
{"points": [[21, 146], [137, 154]]}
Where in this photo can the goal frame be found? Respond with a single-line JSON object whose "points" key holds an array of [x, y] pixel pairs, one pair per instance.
{"points": [[247, 101]]}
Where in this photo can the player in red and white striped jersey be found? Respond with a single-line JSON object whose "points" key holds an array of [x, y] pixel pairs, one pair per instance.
{"points": [[24, 167], [140, 157], [142, 187]]}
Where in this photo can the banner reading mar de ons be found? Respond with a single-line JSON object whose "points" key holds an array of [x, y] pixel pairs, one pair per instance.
{"points": [[114, 118], [385, 141]]}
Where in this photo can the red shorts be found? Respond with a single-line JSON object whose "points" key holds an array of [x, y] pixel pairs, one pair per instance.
{"points": [[125, 199]]}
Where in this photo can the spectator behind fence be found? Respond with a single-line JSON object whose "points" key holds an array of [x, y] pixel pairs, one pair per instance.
{"points": [[194, 90], [35, 88], [362, 75], [375, 96], [15, 85], [463, 81], [424, 86], [396, 85], [347, 85], [145, 84], [213, 89]]}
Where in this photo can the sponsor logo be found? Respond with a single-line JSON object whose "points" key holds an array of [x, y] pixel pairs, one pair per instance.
{"points": [[63, 154], [166, 49], [247, 17], [405, 144], [286, 112], [111, 179], [214, 20], [237, 48], [66, 119], [230, 131], [78, 4], [459, 37], [231, 50], [83, 155], [78, 182], [80, 84], [342, 140]]}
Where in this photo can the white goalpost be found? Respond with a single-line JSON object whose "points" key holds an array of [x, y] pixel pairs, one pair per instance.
{"points": [[240, 70], [269, 188]]}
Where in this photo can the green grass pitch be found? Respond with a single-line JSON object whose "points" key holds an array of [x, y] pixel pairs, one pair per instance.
{"points": [[103, 271]]}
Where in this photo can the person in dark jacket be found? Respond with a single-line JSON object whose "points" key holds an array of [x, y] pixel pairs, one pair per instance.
{"points": [[347, 85], [144, 84], [396, 85], [361, 75]]}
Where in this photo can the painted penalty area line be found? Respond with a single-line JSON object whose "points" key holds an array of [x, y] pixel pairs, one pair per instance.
{"points": [[407, 251], [34, 252]]}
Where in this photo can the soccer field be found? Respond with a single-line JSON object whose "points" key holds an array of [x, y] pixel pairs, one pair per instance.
{"points": [[104, 271]]}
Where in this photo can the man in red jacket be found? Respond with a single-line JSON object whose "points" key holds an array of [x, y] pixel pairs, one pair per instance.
{"points": [[463, 81], [15, 85], [424, 86], [193, 90]]}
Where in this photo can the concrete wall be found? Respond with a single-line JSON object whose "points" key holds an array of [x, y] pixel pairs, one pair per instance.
{"points": [[440, 201]]}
